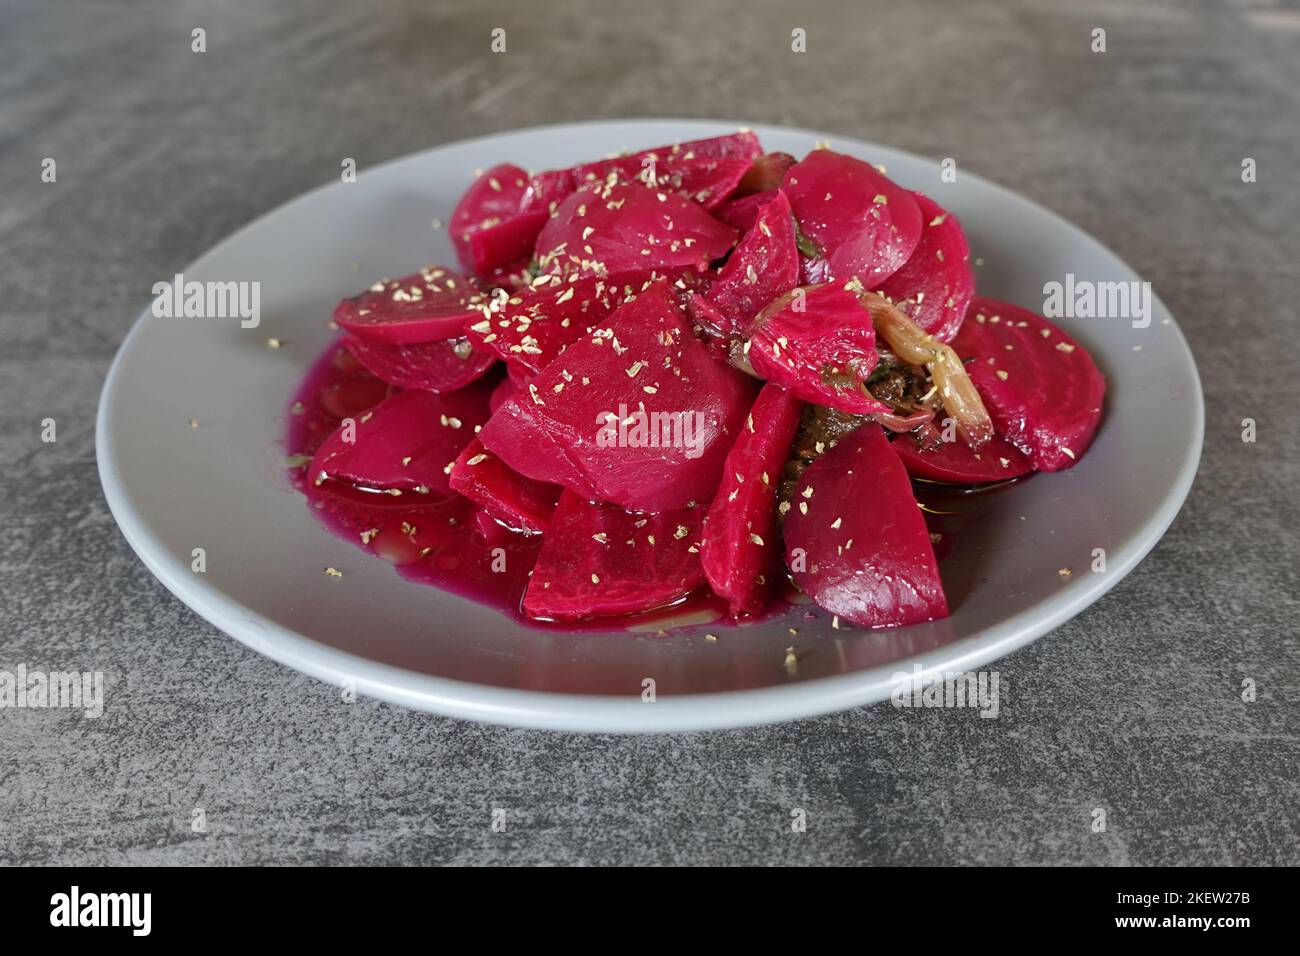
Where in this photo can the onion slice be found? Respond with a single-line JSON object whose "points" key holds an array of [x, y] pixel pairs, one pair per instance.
{"points": [[913, 344]]}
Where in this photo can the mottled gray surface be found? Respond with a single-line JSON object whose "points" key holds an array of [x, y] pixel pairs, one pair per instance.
{"points": [[1134, 706]]}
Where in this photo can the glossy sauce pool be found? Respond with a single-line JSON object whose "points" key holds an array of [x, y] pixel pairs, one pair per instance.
{"points": [[448, 543]]}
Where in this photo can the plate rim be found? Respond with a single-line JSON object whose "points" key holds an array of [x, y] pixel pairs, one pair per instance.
{"points": [[516, 707]]}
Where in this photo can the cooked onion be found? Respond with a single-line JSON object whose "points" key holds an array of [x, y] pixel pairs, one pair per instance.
{"points": [[912, 344]]}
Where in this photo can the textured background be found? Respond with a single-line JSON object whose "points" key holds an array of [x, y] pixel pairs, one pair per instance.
{"points": [[1134, 706]]}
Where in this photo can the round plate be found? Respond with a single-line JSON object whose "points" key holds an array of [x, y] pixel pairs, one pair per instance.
{"points": [[220, 485]]}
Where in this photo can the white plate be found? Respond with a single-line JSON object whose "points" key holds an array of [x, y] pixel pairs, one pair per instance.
{"points": [[221, 486]]}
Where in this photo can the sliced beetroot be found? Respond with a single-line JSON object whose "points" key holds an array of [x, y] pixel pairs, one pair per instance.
{"points": [[547, 189], [957, 463], [862, 223], [603, 230], [705, 171], [820, 344], [856, 541], [405, 443], [598, 560], [765, 173], [705, 181], [639, 413], [427, 306], [530, 328], [762, 267], [488, 227], [740, 553], [436, 366], [741, 213], [936, 284], [1041, 387], [512, 499]]}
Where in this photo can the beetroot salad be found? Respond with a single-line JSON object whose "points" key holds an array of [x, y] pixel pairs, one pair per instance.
{"points": [[698, 376]]}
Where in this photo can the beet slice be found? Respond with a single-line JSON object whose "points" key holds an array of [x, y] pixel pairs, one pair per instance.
{"points": [[547, 189], [517, 502], [856, 541], [705, 171], [1041, 387], [426, 306], [863, 224], [741, 213], [763, 266], [488, 226], [936, 284], [822, 352], [436, 366], [604, 230], [598, 560], [740, 553], [529, 329], [639, 413], [406, 443], [957, 463]]}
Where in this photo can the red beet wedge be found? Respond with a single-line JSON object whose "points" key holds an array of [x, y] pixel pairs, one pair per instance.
{"points": [[547, 189], [405, 444], [956, 463], [855, 538], [598, 560], [705, 171], [740, 554], [427, 306], [862, 223], [1041, 388], [604, 230], [741, 213], [489, 227], [519, 503], [436, 366], [820, 344], [936, 284], [638, 413], [763, 266], [530, 328]]}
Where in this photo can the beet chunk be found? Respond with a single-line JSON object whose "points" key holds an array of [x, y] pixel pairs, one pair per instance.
{"points": [[820, 344], [489, 227], [863, 224], [957, 463], [638, 413], [855, 539], [436, 366], [763, 266], [1041, 387], [598, 560], [705, 171], [603, 230], [936, 284], [740, 554], [529, 329], [405, 443], [517, 502], [427, 306]]}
